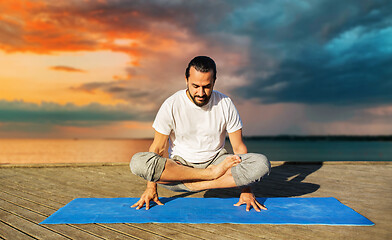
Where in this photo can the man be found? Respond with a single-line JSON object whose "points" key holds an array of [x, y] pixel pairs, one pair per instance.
{"points": [[195, 122]]}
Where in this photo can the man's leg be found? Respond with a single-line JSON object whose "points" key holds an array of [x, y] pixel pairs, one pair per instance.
{"points": [[155, 168], [176, 172], [252, 168]]}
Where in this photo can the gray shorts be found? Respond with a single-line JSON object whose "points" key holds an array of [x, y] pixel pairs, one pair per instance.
{"points": [[150, 166]]}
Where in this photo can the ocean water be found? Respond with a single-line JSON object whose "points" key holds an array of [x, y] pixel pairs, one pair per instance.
{"points": [[22, 151], [321, 150]]}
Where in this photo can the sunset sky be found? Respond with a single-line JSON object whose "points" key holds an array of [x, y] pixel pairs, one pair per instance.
{"points": [[101, 69]]}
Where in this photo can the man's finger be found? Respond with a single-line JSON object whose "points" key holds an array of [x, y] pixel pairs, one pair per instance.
{"points": [[255, 207], [247, 207], [147, 205], [158, 202], [261, 206], [140, 205], [239, 203], [136, 204]]}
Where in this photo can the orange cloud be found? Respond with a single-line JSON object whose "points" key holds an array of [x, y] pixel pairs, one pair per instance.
{"points": [[66, 69], [20, 7], [47, 27]]}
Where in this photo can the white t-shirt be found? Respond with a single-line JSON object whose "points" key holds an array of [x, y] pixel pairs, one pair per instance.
{"points": [[196, 133]]}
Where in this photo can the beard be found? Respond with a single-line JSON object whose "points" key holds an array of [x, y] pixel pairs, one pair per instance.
{"points": [[204, 101]]}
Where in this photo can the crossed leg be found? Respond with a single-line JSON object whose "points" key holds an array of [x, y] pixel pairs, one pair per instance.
{"points": [[225, 181], [252, 168], [229, 171], [222, 172], [174, 172]]}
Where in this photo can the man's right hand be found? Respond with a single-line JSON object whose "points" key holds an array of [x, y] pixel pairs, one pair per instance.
{"points": [[151, 193]]}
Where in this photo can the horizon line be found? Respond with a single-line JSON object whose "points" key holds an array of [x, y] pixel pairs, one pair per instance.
{"points": [[280, 136]]}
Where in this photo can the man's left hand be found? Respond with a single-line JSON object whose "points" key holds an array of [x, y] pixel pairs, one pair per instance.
{"points": [[248, 198]]}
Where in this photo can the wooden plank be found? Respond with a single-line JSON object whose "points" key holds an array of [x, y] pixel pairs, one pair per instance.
{"points": [[88, 231], [163, 230], [33, 212], [138, 232], [235, 231], [70, 187], [10, 232], [30, 227], [69, 182], [86, 181], [189, 229], [36, 184], [35, 188], [212, 231], [275, 231], [37, 213]]}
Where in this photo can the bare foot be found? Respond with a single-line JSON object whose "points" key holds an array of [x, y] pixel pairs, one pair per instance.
{"points": [[220, 169]]}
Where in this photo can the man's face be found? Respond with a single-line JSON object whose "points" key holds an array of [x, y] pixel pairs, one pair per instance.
{"points": [[200, 86]]}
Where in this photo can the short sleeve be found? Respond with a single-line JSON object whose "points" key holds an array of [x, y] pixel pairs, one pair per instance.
{"points": [[234, 122], [163, 122]]}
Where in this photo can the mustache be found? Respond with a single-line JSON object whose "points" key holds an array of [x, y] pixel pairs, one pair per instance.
{"points": [[200, 96]]}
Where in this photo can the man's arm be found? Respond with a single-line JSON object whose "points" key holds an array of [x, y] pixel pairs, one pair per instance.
{"points": [[237, 143], [247, 197], [158, 146]]}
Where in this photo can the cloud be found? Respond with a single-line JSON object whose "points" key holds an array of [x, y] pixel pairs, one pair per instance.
{"points": [[66, 69], [160, 38], [324, 52], [138, 95], [330, 55], [49, 113]]}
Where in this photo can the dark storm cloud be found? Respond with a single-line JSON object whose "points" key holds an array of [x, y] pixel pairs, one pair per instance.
{"points": [[330, 52], [326, 52], [302, 81], [323, 52], [69, 114], [118, 91], [312, 52]]}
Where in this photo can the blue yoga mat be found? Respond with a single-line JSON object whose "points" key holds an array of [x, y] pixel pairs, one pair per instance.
{"points": [[318, 211]]}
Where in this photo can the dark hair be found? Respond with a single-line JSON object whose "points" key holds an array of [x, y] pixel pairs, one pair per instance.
{"points": [[201, 64]]}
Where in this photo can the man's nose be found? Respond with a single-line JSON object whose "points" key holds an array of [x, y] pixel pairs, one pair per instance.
{"points": [[200, 92]]}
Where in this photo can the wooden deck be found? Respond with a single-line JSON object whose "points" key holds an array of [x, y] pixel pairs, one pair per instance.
{"points": [[29, 194]]}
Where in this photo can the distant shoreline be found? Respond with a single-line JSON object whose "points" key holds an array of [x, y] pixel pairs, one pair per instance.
{"points": [[270, 138]]}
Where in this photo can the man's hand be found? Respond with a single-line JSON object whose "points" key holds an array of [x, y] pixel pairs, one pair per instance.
{"points": [[248, 198], [151, 193]]}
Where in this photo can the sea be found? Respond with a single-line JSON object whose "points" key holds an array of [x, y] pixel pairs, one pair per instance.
{"points": [[32, 151]]}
